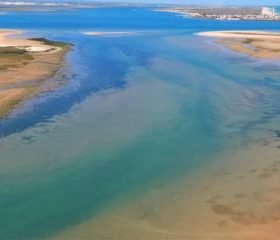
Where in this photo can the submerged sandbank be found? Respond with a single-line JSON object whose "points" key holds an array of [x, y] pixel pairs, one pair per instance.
{"points": [[257, 44], [107, 33], [116, 33], [235, 198], [24, 64]]}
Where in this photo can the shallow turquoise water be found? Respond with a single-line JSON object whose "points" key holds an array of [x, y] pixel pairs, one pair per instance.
{"points": [[136, 112]]}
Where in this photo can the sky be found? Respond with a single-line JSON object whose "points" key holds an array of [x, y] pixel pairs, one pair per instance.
{"points": [[215, 2], [226, 2], [223, 2]]}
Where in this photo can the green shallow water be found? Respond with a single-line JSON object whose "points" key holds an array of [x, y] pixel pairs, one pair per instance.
{"points": [[110, 148], [98, 156]]}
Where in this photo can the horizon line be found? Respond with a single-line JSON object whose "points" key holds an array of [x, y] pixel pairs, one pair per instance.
{"points": [[39, 2]]}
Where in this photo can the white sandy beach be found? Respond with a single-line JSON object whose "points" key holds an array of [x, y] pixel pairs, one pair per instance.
{"points": [[116, 33], [241, 34], [7, 40], [107, 33], [256, 44]]}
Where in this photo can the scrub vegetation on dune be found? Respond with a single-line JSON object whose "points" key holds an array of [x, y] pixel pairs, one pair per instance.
{"points": [[24, 66]]}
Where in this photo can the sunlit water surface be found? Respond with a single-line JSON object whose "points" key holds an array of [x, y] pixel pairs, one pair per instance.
{"points": [[134, 112]]}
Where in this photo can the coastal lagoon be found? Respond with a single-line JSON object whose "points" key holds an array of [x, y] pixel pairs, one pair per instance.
{"points": [[152, 133]]}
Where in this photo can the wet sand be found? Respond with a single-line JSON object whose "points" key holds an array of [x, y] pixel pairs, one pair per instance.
{"points": [[262, 45], [24, 65]]}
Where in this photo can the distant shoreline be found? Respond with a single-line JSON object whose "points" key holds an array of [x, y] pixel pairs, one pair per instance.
{"points": [[225, 13]]}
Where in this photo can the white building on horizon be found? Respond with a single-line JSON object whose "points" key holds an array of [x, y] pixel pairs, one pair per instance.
{"points": [[266, 11]]}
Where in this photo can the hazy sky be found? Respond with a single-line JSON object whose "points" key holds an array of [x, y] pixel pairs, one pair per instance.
{"points": [[227, 2], [223, 2]]}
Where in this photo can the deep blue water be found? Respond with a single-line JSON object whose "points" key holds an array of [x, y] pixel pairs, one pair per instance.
{"points": [[119, 18], [68, 25]]}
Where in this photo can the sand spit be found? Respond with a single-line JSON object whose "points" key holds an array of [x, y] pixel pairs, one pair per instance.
{"points": [[24, 65], [243, 34], [116, 33], [257, 44], [8, 39], [107, 33]]}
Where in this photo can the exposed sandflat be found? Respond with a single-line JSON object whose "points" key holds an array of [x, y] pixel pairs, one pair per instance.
{"points": [[10, 38], [24, 64], [257, 44], [116, 33], [241, 34]]}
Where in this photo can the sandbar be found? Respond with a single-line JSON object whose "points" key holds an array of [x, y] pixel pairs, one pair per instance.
{"points": [[115, 33], [24, 65], [257, 44], [106, 33]]}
